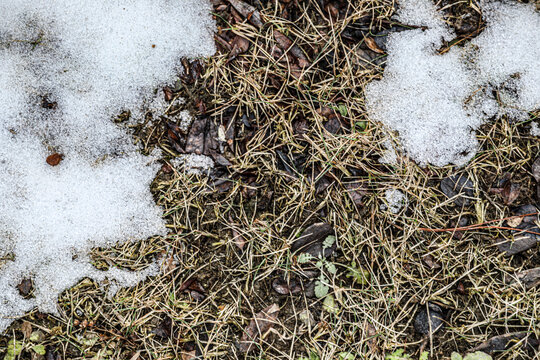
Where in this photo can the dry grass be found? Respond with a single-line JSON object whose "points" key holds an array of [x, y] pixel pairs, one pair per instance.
{"points": [[269, 207]]}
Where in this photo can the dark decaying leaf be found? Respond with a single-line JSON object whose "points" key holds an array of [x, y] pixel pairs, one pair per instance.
{"points": [[311, 241], [522, 241], [356, 192], [196, 137], [174, 136], [286, 44], [527, 278], [239, 45], [25, 287], [429, 319], [459, 188], [164, 329], [248, 11], [508, 190], [285, 286], [536, 169], [258, 326], [506, 341], [54, 159], [430, 261], [194, 288]]}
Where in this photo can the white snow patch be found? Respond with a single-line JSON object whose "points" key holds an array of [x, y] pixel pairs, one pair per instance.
{"points": [[535, 129], [435, 102], [395, 201], [193, 164], [93, 59], [185, 120]]}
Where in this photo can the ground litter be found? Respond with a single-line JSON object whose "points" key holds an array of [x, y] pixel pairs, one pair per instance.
{"points": [[69, 67]]}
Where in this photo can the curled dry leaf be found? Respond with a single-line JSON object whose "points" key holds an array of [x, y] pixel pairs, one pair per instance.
{"points": [[54, 159], [258, 326], [372, 45]]}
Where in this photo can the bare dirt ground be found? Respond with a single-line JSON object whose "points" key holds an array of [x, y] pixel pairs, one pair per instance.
{"points": [[280, 110]]}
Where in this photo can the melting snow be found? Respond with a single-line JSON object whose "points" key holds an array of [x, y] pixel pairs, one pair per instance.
{"points": [[435, 102], [87, 61]]}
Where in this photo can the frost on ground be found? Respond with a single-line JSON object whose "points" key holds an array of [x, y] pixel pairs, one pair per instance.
{"points": [[68, 67], [193, 163], [435, 102]]}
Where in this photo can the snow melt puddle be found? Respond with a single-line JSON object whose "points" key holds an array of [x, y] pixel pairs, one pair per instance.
{"points": [[435, 102], [68, 67]]}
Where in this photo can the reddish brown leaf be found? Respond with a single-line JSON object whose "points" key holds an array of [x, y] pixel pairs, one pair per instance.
{"points": [[54, 159], [258, 326], [167, 92]]}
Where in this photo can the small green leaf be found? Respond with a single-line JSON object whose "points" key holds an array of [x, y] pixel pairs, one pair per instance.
{"points": [[330, 305], [342, 108], [14, 349], [346, 355], [455, 356], [329, 241], [359, 275], [479, 355], [361, 125], [304, 258], [399, 354], [331, 268], [321, 290], [39, 349], [424, 355]]}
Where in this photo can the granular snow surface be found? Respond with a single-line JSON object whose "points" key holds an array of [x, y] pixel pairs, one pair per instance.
{"points": [[435, 102], [68, 67]]}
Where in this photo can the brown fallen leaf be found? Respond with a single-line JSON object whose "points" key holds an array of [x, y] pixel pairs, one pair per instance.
{"points": [[54, 159], [26, 329], [239, 45], [372, 45], [25, 287], [258, 326], [249, 12], [356, 192], [311, 241], [430, 261], [287, 44], [371, 340], [196, 137]]}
